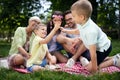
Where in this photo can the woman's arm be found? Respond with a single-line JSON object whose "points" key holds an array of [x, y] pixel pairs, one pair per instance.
{"points": [[24, 52]]}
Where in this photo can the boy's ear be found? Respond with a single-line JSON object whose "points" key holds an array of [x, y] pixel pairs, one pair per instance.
{"points": [[82, 17]]}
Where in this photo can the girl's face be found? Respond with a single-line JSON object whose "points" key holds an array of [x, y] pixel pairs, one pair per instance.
{"points": [[42, 31]]}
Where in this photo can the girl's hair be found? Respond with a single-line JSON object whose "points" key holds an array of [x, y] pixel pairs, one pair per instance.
{"points": [[83, 7], [50, 24], [39, 25]]}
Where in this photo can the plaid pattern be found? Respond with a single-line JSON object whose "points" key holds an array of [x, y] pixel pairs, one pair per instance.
{"points": [[77, 69], [111, 69]]}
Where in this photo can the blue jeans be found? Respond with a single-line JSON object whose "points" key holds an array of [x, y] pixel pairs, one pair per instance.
{"points": [[44, 62]]}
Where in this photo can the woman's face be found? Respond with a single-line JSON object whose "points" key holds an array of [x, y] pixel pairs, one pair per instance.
{"points": [[33, 24], [57, 18]]}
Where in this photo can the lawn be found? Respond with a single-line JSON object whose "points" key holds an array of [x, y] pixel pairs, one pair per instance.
{"points": [[6, 74]]}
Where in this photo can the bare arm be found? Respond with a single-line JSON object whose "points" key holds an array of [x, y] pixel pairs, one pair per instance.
{"points": [[73, 31], [51, 59], [24, 52], [49, 37], [93, 58]]}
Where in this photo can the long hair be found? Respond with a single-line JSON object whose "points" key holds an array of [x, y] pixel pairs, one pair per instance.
{"points": [[50, 24]]}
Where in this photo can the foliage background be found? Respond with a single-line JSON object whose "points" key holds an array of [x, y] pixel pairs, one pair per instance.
{"points": [[15, 13]]}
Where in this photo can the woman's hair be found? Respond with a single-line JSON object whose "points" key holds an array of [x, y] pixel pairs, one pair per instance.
{"points": [[83, 7], [50, 24], [35, 18]]}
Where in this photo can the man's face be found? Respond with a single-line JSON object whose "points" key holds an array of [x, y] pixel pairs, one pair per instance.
{"points": [[69, 20]]}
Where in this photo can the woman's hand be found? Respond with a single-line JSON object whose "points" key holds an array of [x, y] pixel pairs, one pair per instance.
{"points": [[57, 25], [28, 55]]}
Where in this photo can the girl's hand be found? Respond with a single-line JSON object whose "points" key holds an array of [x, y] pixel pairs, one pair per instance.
{"points": [[52, 60]]}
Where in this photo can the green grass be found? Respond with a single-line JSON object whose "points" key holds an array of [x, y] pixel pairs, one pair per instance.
{"points": [[4, 48], [6, 74], [50, 75], [115, 47]]}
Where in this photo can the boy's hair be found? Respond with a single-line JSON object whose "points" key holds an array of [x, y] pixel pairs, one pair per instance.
{"points": [[83, 7]]}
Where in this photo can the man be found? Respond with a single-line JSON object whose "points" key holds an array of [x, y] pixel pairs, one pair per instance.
{"points": [[66, 39], [71, 43]]}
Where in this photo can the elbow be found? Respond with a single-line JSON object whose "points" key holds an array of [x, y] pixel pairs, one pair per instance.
{"points": [[44, 41]]}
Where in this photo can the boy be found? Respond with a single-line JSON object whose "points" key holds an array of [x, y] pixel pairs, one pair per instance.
{"points": [[94, 39]]}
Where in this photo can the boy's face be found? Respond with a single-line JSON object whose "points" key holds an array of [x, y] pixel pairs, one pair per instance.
{"points": [[77, 18], [42, 31]]}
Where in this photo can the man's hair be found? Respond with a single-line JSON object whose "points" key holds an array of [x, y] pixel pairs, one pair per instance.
{"points": [[83, 7], [66, 12]]}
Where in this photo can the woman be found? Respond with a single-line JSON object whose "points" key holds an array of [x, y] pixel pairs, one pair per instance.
{"points": [[53, 46], [21, 43]]}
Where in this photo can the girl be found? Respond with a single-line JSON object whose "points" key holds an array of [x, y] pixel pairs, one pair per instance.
{"points": [[40, 55]]}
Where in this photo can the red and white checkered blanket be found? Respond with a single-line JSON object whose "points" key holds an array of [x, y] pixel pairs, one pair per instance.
{"points": [[77, 69]]}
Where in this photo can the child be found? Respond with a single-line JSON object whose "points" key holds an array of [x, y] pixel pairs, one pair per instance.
{"points": [[110, 61], [39, 51], [94, 39]]}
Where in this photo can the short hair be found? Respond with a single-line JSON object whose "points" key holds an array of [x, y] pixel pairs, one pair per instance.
{"points": [[66, 12], [35, 18], [40, 25], [83, 7]]}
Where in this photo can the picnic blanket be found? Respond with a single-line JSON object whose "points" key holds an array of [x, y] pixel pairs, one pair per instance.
{"points": [[77, 69]]}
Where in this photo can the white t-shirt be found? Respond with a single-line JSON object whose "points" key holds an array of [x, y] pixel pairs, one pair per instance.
{"points": [[91, 34]]}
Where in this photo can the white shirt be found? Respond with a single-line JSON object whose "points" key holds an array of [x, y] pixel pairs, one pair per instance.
{"points": [[91, 34]]}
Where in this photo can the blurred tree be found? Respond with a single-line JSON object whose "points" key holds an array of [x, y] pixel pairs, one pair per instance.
{"points": [[64, 5], [104, 12], [107, 17], [14, 13]]}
